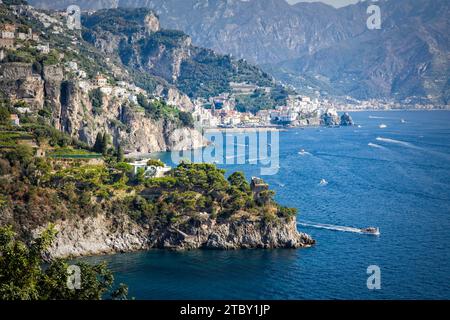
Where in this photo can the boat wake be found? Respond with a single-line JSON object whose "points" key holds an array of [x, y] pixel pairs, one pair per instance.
{"points": [[398, 142], [373, 145], [331, 227]]}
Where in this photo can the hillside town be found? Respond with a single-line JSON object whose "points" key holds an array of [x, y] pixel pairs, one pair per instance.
{"points": [[220, 112], [215, 112]]}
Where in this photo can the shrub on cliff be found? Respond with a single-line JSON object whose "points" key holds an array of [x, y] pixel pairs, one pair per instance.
{"points": [[23, 277], [96, 98], [186, 119]]}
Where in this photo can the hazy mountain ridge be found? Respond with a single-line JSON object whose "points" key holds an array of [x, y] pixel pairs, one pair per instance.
{"points": [[319, 48]]}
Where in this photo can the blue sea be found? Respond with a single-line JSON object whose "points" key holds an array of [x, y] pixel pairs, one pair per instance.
{"points": [[396, 178]]}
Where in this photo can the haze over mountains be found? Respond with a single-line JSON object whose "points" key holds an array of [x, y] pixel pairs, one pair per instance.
{"points": [[316, 47]]}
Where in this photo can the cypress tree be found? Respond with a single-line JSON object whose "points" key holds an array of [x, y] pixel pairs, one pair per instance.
{"points": [[98, 146]]}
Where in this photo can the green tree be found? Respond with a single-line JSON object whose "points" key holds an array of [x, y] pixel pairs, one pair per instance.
{"points": [[237, 179], [155, 163], [186, 119], [140, 176], [4, 114], [98, 145], [22, 153], [22, 276], [96, 97], [105, 143]]}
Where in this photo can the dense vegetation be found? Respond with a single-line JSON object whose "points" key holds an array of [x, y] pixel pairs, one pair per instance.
{"points": [[24, 277], [96, 97], [34, 189]]}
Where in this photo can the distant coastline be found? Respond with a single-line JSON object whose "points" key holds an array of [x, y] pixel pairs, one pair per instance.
{"points": [[393, 110], [242, 130]]}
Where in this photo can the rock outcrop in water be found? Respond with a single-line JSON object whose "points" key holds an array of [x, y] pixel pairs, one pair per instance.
{"points": [[330, 118], [346, 120]]}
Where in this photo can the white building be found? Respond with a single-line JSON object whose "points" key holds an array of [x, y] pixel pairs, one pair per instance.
{"points": [[85, 86], [106, 90], [204, 117], [7, 35], [100, 81], [72, 65], [149, 171], [133, 98], [43, 48], [119, 92], [82, 74]]}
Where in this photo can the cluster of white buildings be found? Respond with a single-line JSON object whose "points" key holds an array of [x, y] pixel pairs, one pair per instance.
{"points": [[122, 90], [220, 112], [10, 34]]}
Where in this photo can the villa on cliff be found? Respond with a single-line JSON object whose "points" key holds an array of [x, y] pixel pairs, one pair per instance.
{"points": [[149, 171]]}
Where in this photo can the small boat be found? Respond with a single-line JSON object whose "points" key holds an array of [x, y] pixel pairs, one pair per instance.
{"points": [[403, 121], [371, 230], [323, 182], [383, 126]]}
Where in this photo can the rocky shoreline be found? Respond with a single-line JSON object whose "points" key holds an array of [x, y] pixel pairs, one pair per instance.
{"points": [[102, 235]]}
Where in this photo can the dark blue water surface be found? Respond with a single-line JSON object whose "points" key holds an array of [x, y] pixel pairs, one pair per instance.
{"points": [[397, 179]]}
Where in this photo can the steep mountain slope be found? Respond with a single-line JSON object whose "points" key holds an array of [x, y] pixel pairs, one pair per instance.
{"points": [[319, 48], [53, 78], [408, 59], [136, 37]]}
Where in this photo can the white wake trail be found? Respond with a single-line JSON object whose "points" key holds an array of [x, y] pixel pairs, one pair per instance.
{"points": [[398, 142], [329, 227], [373, 145]]}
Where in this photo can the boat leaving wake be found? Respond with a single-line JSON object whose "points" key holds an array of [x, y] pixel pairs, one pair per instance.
{"points": [[373, 145], [336, 228], [398, 142]]}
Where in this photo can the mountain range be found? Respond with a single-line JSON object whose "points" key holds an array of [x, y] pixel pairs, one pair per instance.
{"points": [[318, 48]]}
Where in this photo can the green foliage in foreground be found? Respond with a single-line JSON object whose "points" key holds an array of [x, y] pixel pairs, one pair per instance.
{"points": [[23, 277]]}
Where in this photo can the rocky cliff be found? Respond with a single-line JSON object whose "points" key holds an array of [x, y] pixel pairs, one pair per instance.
{"points": [[103, 235], [72, 111]]}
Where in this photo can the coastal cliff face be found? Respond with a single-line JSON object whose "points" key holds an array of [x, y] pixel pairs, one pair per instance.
{"points": [[72, 111], [102, 235]]}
